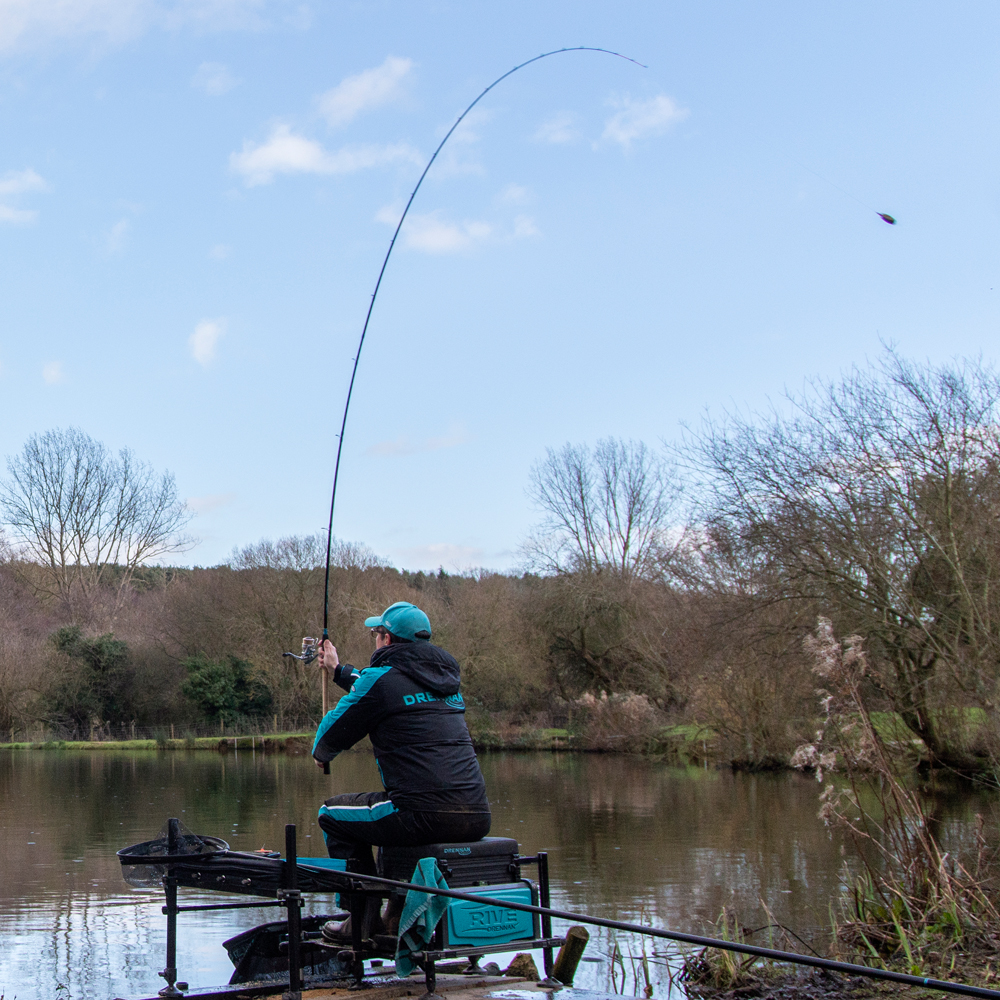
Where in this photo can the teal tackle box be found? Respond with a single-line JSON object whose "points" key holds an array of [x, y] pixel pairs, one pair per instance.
{"points": [[476, 925]]}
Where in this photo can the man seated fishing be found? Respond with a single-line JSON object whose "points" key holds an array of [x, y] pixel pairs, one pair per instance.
{"points": [[407, 700]]}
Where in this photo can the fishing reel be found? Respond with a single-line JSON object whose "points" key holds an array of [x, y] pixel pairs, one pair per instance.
{"points": [[309, 650]]}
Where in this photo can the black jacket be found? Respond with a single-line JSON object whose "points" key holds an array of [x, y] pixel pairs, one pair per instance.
{"points": [[408, 702]]}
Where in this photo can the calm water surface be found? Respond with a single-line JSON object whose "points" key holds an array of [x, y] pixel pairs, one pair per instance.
{"points": [[628, 838]]}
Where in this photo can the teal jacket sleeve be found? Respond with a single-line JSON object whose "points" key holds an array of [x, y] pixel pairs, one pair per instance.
{"points": [[352, 718]]}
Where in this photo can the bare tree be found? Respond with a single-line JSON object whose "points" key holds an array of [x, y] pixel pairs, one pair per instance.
{"points": [[876, 501], [304, 553], [88, 516], [606, 509]]}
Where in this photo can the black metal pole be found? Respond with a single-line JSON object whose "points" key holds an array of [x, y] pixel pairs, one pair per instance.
{"points": [[169, 972], [544, 899], [358, 907], [293, 900], [430, 979]]}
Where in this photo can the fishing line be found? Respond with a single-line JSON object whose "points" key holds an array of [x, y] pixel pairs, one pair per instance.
{"points": [[378, 284], [884, 216]]}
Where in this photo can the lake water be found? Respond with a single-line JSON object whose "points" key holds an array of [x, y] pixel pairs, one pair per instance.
{"points": [[628, 838]]}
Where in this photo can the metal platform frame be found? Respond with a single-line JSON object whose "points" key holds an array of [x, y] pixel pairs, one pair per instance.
{"points": [[358, 888]]}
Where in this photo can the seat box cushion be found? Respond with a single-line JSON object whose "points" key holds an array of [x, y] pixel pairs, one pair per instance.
{"points": [[489, 861]]}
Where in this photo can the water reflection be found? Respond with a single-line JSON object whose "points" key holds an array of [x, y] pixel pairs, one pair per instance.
{"points": [[627, 838]]}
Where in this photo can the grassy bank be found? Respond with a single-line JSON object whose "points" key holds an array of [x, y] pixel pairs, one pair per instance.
{"points": [[511, 738], [301, 743], [292, 743]]}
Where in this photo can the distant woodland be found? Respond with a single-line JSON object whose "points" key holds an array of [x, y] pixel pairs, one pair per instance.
{"points": [[662, 604]]}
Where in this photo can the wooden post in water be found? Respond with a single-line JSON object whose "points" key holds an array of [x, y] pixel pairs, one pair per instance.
{"points": [[570, 954]]}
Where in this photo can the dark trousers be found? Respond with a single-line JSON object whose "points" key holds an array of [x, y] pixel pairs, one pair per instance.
{"points": [[355, 822]]}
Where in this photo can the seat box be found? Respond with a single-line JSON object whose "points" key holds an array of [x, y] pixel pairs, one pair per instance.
{"points": [[478, 925], [489, 861]]}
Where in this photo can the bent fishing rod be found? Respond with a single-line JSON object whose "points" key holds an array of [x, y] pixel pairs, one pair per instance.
{"points": [[378, 285]]}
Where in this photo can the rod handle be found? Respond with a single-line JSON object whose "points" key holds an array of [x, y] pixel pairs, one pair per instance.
{"points": [[326, 673]]}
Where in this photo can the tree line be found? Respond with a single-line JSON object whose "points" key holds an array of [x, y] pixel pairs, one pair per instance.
{"points": [[664, 595]]}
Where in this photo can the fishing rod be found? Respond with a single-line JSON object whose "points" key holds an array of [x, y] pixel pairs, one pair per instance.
{"points": [[363, 882], [378, 285]]}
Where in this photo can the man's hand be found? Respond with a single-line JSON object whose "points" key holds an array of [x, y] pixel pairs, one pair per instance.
{"points": [[320, 764], [328, 658]]}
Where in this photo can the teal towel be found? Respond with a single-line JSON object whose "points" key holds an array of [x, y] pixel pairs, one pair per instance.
{"points": [[421, 914]]}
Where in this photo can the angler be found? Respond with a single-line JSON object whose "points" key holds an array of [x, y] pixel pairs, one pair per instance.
{"points": [[407, 700]]}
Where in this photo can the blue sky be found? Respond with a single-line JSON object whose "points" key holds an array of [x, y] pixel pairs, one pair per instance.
{"points": [[195, 197]]}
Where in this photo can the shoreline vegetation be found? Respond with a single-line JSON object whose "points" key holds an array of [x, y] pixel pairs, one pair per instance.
{"points": [[813, 586], [678, 745], [662, 607]]}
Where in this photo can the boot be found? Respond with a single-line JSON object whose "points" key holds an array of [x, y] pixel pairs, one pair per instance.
{"points": [[392, 913], [337, 931]]}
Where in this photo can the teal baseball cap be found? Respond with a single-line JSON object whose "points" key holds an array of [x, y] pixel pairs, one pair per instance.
{"points": [[403, 619]]}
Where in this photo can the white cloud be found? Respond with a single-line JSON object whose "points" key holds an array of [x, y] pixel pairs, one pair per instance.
{"points": [[284, 152], [220, 251], [466, 134], [53, 373], [17, 216], [214, 78], [213, 501], [24, 23], [369, 89], [117, 235], [27, 24], [204, 339], [455, 557], [638, 119], [21, 181], [430, 233], [524, 226], [513, 194], [559, 128], [404, 445], [18, 182], [288, 153]]}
